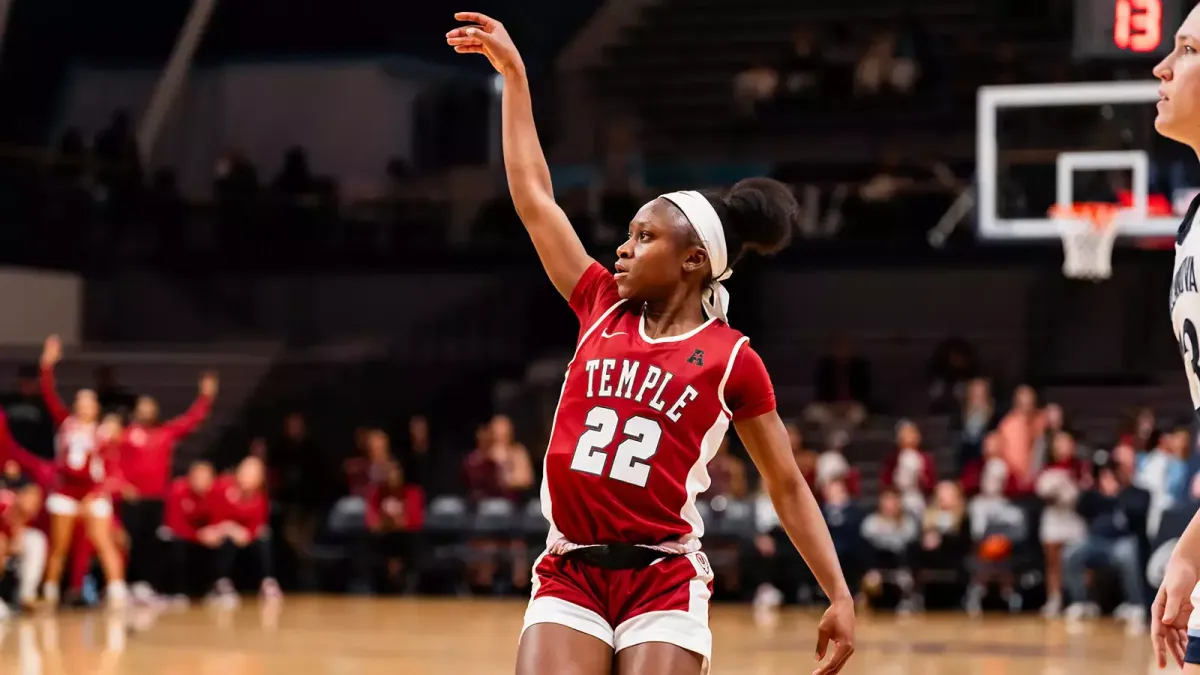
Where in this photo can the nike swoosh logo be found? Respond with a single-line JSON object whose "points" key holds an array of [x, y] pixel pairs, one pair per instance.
{"points": [[607, 335]]}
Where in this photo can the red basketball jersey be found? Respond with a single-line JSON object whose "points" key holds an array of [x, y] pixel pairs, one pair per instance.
{"points": [[79, 458], [638, 421]]}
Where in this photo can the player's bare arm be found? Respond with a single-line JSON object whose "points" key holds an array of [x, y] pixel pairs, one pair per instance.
{"points": [[561, 252], [766, 439]]}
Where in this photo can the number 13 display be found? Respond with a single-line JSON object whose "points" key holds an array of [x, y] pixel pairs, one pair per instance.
{"points": [[1138, 25], [1115, 29]]}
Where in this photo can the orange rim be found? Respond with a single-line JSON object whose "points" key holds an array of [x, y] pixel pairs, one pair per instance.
{"points": [[1099, 214]]}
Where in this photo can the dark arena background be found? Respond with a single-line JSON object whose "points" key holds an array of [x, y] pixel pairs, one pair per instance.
{"points": [[287, 221]]}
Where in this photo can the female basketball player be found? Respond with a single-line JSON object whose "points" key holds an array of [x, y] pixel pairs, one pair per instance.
{"points": [[646, 401], [1179, 119], [82, 455]]}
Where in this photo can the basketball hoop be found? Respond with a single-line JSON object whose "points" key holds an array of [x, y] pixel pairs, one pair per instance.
{"points": [[1088, 233]]}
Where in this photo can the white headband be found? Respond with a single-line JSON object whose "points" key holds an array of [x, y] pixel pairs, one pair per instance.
{"points": [[704, 219]]}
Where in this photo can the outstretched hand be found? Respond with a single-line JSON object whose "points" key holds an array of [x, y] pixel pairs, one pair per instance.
{"points": [[51, 352], [209, 384], [487, 37], [1170, 612], [837, 626]]}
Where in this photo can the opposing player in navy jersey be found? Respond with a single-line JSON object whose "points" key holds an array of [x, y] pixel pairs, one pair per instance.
{"points": [[1175, 625], [657, 378]]}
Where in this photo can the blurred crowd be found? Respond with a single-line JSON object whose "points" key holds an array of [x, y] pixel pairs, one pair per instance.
{"points": [[87, 494], [1020, 511]]}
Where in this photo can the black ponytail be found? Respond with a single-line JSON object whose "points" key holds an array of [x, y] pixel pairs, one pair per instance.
{"points": [[758, 214]]}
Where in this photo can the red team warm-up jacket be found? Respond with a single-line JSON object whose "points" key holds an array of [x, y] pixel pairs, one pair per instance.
{"points": [[185, 512], [226, 503], [147, 452], [407, 502]]}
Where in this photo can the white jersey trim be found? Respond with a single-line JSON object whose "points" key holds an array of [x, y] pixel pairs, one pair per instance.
{"points": [[737, 347], [669, 338], [547, 507], [698, 479]]}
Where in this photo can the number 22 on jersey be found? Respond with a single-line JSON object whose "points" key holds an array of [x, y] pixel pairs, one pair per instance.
{"points": [[629, 464]]}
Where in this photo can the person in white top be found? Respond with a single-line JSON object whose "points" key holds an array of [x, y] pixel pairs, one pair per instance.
{"points": [[1175, 632]]}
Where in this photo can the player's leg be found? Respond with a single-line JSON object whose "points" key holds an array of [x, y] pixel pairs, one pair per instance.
{"points": [[79, 561], [259, 549], [664, 624], [63, 512], [564, 630], [659, 657], [554, 649], [1052, 553], [32, 566], [98, 520], [4, 551]]}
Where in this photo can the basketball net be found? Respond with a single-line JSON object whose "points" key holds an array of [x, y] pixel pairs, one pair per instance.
{"points": [[1088, 232]]}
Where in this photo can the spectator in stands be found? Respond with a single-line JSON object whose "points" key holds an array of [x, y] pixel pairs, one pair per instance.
{"points": [[1022, 425], [235, 190], [1137, 431], [395, 512], [416, 454], [952, 366], [237, 510], [20, 503], [802, 72], [728, 475], [1043, 445], [511, 456], [753, 87], [910, 470], [774, 567], [34, 543], [185, 515], [888, 534], [991, 464], [1059, 485], [997, 526], [1124, 460], [28, 418], [976, 419], [945, 537], [1162, 472], [373, 465], [844, 518], [295, 180], [480, 475], [302, 488], [498, 469], [832, 464], [884, 68], [843, 389], [118, 173], [1116, 516]]}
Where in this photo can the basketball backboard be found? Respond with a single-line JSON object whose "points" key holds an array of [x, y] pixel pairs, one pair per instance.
{"points": [[1037, 143]]}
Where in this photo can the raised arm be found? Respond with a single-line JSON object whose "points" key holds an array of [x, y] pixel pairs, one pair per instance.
{"points": [[559, 248], [51, 355], [191, 418]]}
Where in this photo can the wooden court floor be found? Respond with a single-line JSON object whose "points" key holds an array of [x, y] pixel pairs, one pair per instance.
{"points": [[339, 636]]}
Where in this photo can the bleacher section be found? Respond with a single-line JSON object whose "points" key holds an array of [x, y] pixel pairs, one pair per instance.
{"points": [[686, 53]]}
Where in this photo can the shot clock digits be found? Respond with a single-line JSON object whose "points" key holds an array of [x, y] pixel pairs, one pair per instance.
{"points": [[1119, 29]]}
